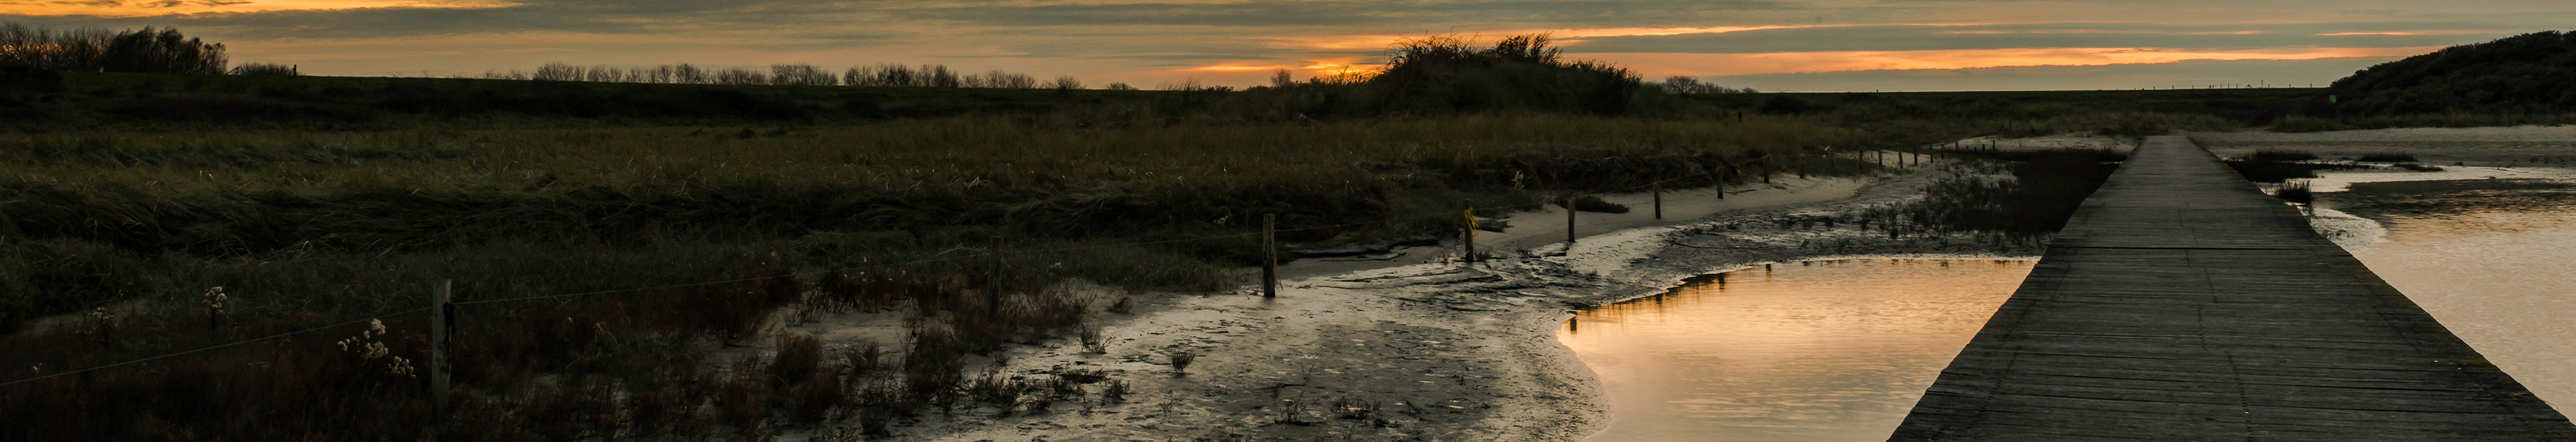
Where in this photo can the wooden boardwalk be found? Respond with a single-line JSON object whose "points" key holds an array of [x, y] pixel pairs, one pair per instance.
{"points": [[2183, 304]]}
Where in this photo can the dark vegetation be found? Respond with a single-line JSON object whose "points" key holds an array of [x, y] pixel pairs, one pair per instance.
{"points": [[2272, 171], [2295, 191], [2275, 166], [2523, 74], [2043, 192], [148, 50]]}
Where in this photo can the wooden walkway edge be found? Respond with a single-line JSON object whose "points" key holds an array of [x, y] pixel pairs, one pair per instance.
{"points": [[2183, 304]]}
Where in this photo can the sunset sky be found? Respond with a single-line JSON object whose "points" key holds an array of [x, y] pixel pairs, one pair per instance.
{"points": [[1828, 45]]}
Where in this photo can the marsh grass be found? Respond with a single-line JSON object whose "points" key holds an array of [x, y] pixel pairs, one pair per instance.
{"points": [[2295, 191], [2025, 195], [2386, 157]]}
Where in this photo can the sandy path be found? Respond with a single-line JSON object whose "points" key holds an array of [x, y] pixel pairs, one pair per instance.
{"points": [[1443, 352]]}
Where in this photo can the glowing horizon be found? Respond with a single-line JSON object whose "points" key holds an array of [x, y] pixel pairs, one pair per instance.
{"points": [[1232, 42]]}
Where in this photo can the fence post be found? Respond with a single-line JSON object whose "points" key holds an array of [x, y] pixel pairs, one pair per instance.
{"points": [[1469, 237], [1569, 224], [442, 315], [993, 282], [1269, 255], [1659, 201], [1766, 168], [1724, 176]]}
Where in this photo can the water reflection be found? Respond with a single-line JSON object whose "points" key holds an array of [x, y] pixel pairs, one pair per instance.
{"points": [[1813, 351], [2489, 258]]}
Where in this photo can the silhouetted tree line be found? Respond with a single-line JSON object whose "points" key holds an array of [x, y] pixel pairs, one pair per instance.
{"points": [[2529, 72], [1687, 85], [929, 75], [153, 50]]}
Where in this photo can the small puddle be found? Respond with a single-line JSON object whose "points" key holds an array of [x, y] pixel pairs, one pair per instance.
{"points": [[2489, 258], [1810, 351]]}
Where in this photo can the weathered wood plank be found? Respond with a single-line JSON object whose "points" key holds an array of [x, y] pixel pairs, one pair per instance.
{"points": [[2183, 304]]}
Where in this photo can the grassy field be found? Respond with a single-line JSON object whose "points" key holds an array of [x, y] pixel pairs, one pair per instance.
{"points": [[694, 213]]}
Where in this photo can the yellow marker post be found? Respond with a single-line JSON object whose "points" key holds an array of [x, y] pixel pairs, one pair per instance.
{"points": [[1469, 239]]}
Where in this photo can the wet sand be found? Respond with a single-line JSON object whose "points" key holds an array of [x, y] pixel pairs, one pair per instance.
{"points": [[1415, 349]]}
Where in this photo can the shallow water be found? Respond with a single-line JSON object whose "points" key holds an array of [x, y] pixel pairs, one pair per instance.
{"points": [[2494, 260], [1813, 351]]}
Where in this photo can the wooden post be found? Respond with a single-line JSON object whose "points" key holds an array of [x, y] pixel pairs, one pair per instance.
{"points": [[1270, 255], [1469, 237], [442, 315], [1569, 224], [1722, 177], [1659, 202], [993, 282], [1766, 168], [1802, 166]]}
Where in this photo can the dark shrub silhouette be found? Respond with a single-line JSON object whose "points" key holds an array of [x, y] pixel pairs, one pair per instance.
{"points": [[1440, 74], [2521, 73]]}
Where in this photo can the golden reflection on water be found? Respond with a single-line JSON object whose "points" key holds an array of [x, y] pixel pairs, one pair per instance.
{"points": [[1811, 351], [2492, 260]]}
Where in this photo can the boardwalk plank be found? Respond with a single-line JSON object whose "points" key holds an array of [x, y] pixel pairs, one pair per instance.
{"points": [[2183, 304]]}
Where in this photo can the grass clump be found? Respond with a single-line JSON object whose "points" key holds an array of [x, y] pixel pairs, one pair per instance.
{"points": [[2295, 191], [1180, 361]]}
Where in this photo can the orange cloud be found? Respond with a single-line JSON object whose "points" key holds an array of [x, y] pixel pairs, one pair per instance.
{"points": [[1791, 62], [138, 8]]}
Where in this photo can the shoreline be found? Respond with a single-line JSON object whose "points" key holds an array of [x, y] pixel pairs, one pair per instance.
{"points": [[1432, 351]]}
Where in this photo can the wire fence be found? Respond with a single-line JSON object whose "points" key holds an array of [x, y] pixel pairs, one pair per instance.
{"points": [[988, 254]]}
